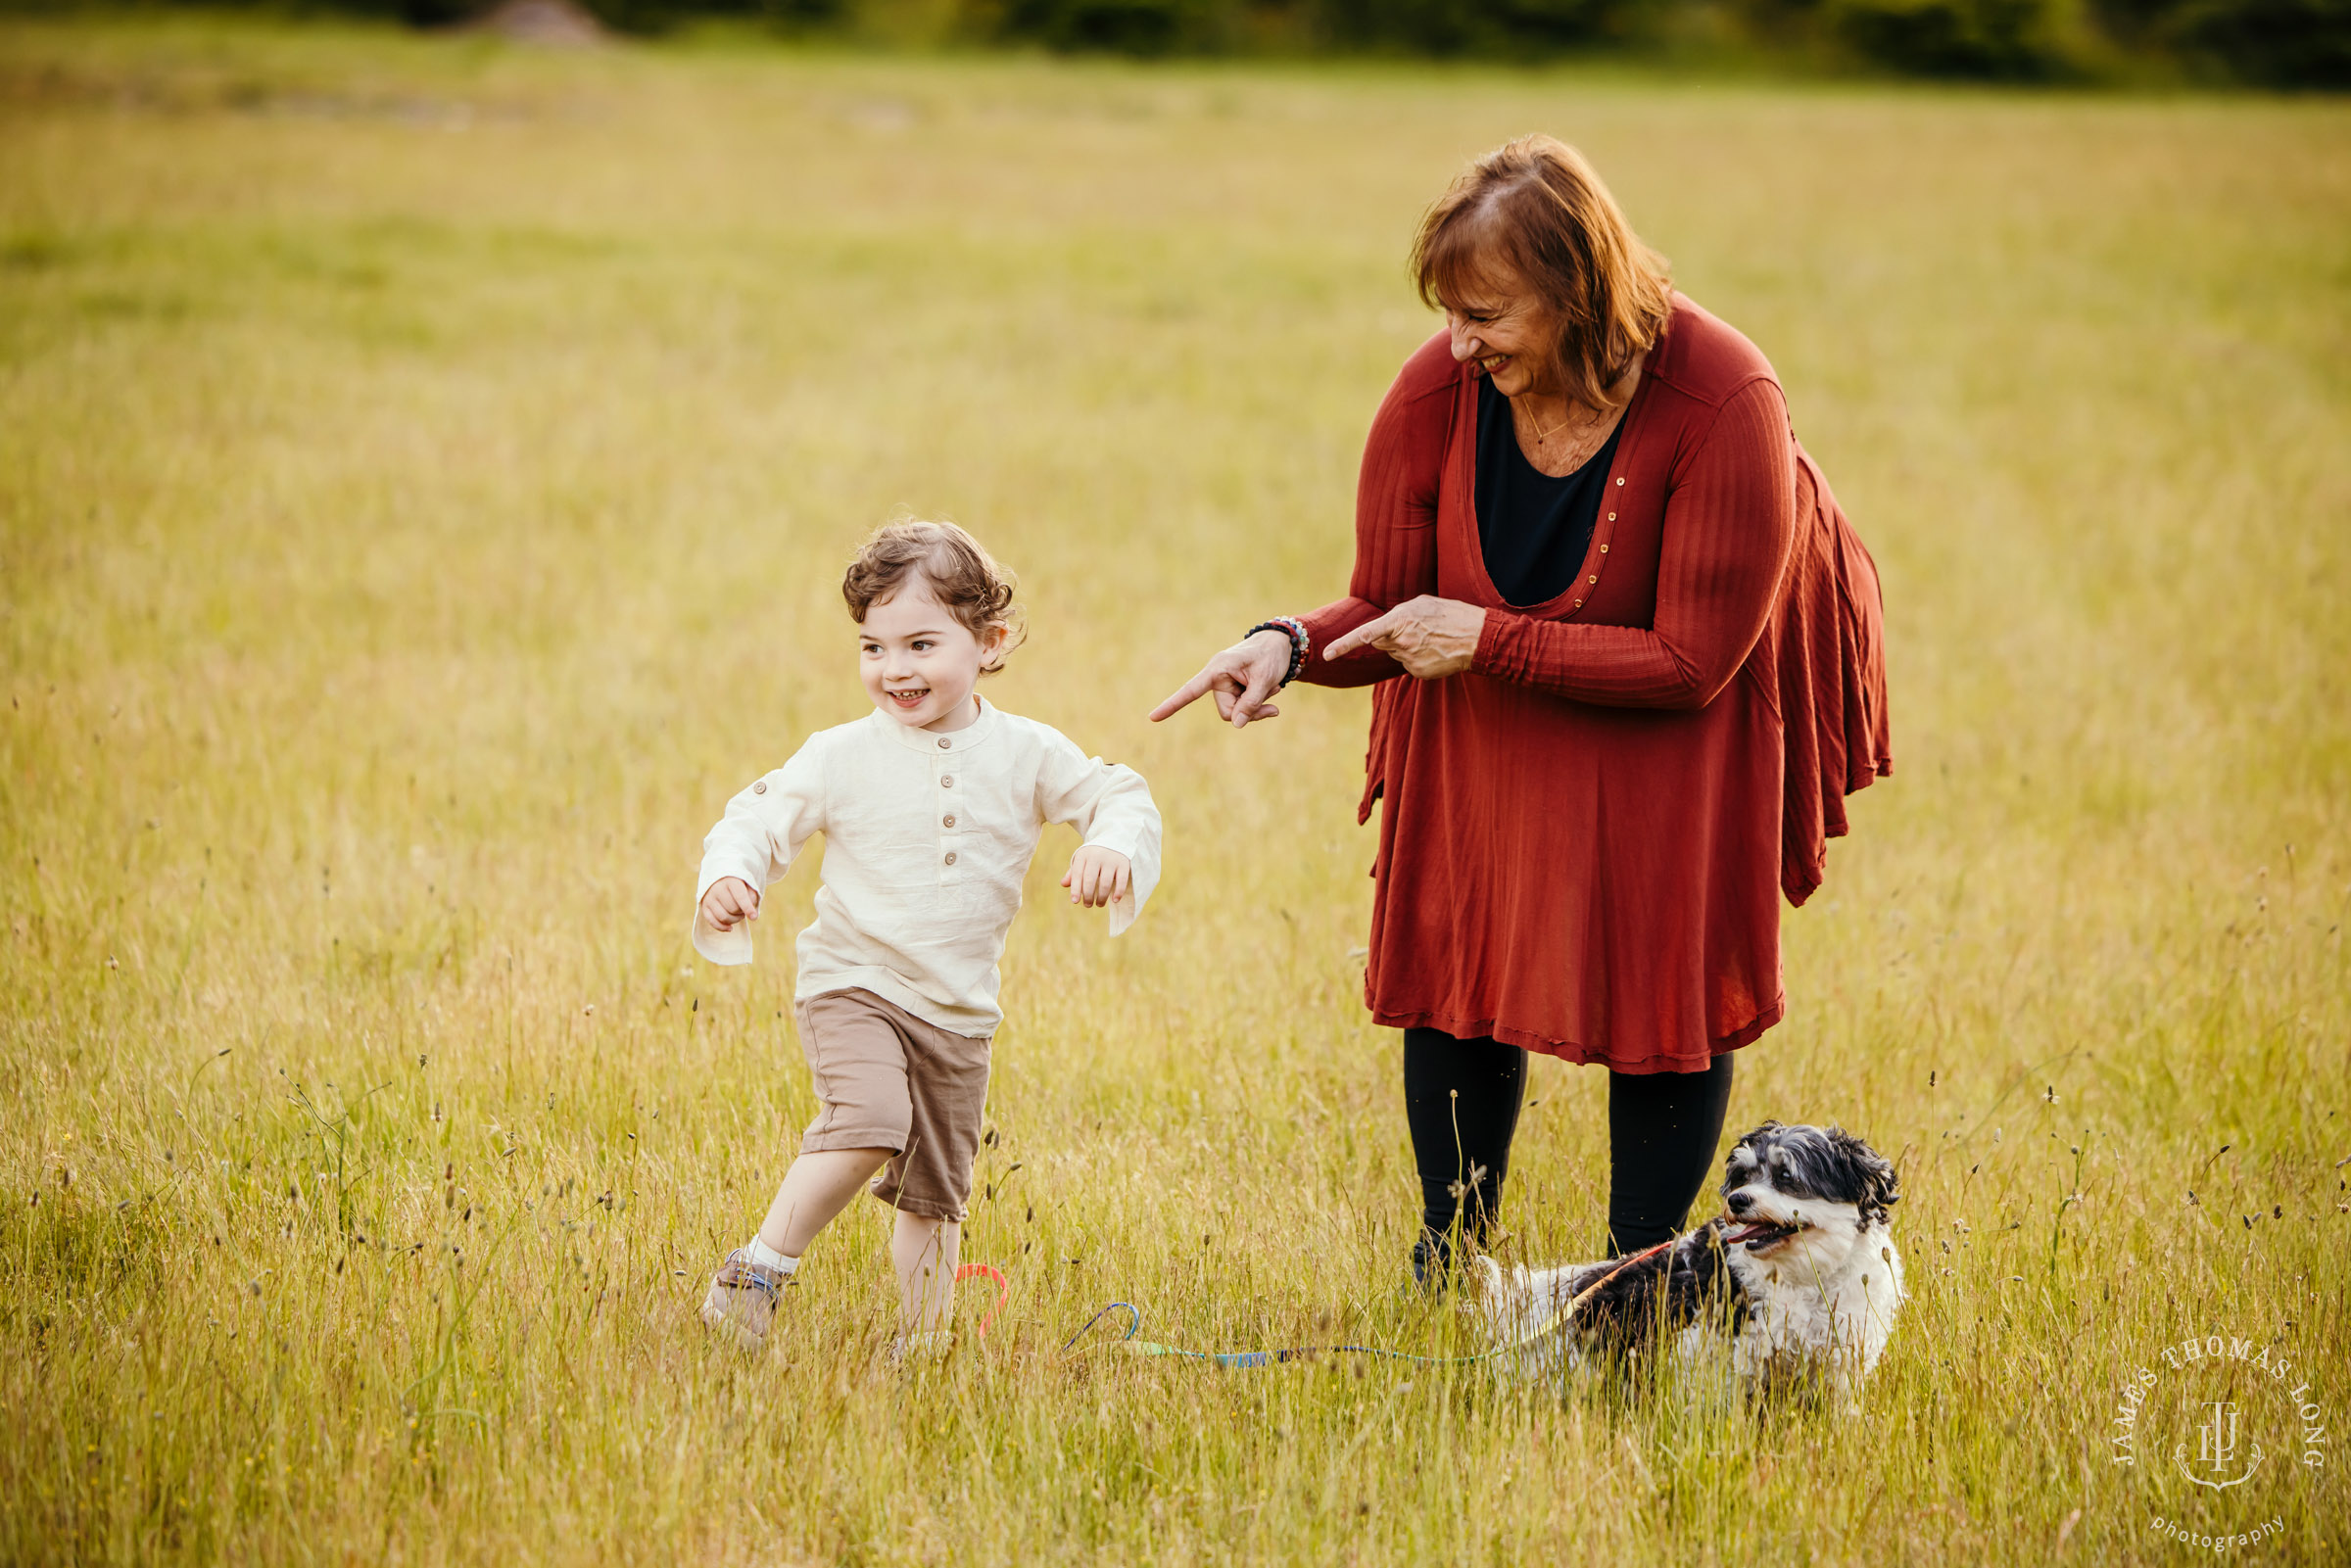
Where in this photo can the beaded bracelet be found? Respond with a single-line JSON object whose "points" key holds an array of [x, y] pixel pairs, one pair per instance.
{"points": [[1295, 629]]}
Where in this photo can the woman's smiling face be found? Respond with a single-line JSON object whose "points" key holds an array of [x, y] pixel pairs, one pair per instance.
{"points": [[919, 662], [1507, 331]]}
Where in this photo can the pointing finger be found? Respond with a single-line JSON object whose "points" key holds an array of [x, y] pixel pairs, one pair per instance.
{"points": [[1183, 697], [1363, 635]]}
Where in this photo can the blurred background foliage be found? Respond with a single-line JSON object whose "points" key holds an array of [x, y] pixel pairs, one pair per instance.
{"points": [[2294, 44]]}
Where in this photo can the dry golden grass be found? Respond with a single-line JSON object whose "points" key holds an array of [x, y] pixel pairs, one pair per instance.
{"points": [[424, 469]]}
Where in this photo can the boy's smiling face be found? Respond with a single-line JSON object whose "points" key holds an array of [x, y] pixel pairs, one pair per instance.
{"points": [[919, 662]]}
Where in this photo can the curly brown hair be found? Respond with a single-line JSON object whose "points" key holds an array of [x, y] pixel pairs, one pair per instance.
{"points": [[1536, 207], [960, 574]]}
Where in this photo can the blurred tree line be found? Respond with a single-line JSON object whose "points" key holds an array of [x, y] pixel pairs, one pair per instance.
{"points": [[2295, 43], [2281, 43], [2278, 43]]}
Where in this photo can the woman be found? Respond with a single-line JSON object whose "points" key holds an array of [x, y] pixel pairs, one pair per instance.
{"points": [[1638, 657]]}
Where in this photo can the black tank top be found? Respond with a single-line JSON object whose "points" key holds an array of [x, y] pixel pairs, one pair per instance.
{"points": [[1532, 528]]}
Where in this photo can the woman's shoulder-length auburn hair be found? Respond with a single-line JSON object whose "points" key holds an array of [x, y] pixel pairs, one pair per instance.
{"points": [[1537, 208]]}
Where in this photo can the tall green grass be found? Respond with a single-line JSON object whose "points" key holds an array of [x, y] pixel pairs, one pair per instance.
{"points": [[424, 473]]}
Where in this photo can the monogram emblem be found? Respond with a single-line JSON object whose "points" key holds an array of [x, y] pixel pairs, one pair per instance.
{"points": [[2217, 1449]]}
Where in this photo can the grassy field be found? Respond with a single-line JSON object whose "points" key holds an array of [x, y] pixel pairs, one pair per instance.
{"points": [[424, 473]]}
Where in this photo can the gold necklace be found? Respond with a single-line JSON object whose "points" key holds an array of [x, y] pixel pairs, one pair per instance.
{"points": [[1541, 436]]}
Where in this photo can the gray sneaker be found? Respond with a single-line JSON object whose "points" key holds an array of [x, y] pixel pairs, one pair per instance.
{"points": [[743, 1300]]}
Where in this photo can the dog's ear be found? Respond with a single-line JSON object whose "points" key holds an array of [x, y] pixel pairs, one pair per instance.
{"points": [[1746, 1144], [1876, 1186]]}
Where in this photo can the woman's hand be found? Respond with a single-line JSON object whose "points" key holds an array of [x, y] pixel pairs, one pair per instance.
{"points": [[1431, 637], [1242, 678], [730, 901], [1097, 876]]}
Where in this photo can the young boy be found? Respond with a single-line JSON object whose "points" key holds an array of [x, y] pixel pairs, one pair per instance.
{"points": [[931, 808]]}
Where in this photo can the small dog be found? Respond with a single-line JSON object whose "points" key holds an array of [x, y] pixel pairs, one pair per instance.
{"points": [[1799, 1277]]}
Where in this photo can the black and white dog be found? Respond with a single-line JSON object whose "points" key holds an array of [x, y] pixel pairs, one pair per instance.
{"points": [[1798, 1277]]}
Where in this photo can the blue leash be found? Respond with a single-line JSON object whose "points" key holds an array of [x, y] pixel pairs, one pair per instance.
{"points": [[1305, 1353], [1250, 1359]]}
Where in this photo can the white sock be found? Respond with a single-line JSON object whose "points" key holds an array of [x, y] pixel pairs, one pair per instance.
{"points": [[766, 1256]]}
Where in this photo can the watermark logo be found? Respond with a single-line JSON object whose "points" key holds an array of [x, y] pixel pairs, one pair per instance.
{"points": [[2216, 1448], [2203, 1418]]}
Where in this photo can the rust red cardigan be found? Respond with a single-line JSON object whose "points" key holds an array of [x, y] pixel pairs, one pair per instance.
{"points": [[1585, 836]]}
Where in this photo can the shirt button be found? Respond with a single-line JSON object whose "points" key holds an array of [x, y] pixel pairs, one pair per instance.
{"points": [[950, 857], [1579, 603], [1612, 517], [947, 821], [1620, 481], [1603, 549], [946, 781], [759, 788], [1592, 579], [944, 743]]}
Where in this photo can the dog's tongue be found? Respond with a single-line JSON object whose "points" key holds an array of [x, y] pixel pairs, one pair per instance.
{"points": [[1753, 1229]]}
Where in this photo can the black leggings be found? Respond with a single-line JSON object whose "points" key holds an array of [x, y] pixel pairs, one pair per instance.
{"points": [[1462, 1099]]}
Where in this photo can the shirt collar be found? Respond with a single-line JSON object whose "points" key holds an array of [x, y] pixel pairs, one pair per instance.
{"points": [[954, 743]]}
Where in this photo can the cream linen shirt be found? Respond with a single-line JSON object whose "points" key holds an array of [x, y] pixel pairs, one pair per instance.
{"points": [[927, 840]]}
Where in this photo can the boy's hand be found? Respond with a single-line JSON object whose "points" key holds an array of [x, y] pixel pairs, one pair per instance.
{"points": [[730, 902], [1096, 877]]}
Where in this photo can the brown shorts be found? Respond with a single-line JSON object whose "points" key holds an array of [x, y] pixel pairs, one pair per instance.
{"points": [[886, 1079]]}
